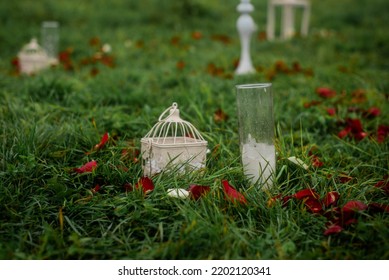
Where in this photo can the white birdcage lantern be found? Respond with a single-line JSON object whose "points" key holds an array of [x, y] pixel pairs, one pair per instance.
{"points": [[32, 58], [287, 20], [172, 142]]}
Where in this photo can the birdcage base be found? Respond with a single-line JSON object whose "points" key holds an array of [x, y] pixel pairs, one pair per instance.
{"points": [[179, 154]]}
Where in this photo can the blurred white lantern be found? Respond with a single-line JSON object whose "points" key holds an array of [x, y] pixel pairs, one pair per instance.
{"points": [[171, 142], [32, 58], [287, 21]]}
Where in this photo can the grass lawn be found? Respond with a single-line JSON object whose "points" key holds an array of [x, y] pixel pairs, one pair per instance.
{"points": [[331, 110]]}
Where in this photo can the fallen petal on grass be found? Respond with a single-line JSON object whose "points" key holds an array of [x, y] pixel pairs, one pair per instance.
{"points": [[378, 207], [350, 221], [354, 206], [313, 205], [306, 193], [96, 189], [316, 162], [333, 229], [103, 141], [87, 168], [197, 191], [383, 184], [353, 128], [326, 92], [128, 187], [344, 132], [331, 199], [272, 200], [232, 194], [220, 116], [331, 111], [372, 112], [146, 184], [382, 133], [343, 178]]}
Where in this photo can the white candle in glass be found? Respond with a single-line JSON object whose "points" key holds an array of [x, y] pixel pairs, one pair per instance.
{"points": [[256, 132]]}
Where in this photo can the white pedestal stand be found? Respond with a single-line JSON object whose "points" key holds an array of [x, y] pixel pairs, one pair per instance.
{"points": [[246, 27]]}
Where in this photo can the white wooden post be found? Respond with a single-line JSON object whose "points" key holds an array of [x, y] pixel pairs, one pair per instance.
{"points": [[271, 21], [305, 20], [287, 22]]}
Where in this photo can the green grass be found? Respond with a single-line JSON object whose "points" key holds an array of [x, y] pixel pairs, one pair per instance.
{"points": [[50, 121]]}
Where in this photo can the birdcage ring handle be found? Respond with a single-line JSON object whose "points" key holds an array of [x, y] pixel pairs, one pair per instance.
{"points": [[172, 109]]}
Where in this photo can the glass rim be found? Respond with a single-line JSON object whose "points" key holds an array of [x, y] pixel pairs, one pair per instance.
{"points": [[257, 85]]}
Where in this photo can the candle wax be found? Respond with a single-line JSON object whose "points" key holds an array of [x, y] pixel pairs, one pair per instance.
{"points": [[259, 162]]}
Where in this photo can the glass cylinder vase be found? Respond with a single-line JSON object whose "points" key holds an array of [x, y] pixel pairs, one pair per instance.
{"points": [[50, 39], [256, 132]]}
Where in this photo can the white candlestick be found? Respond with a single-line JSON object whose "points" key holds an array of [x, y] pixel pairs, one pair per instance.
{"points": [[246, 27]]}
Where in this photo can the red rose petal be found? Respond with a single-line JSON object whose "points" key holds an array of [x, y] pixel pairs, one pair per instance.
{"points": [[343, 178], [222, 38], [358, 96], [103, 140], [331, 198], [312, 103], [220, 116], [316, 162], [94, 71], [350, 221], [325, 92], [355, 125], [197, 191], [64, 56], [96, 188], [94, 41], [128, 187], [306, 193], [331, 111], [372, 112], [313, 205], [384, 185], [88, 167], [197, 35], [333, 229], [296, 66], [180, 65], [233, 194], [286, 199], [175, 40], [280, 66], [354, 206], [16, 63], [108, 60], [378, 207], [273, 200], [382, 133], [343, 133], [360, 135], [146, 184]]}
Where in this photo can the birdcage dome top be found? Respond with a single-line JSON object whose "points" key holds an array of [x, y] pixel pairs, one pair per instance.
{"points": [[171, 129], [33, 48]]}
